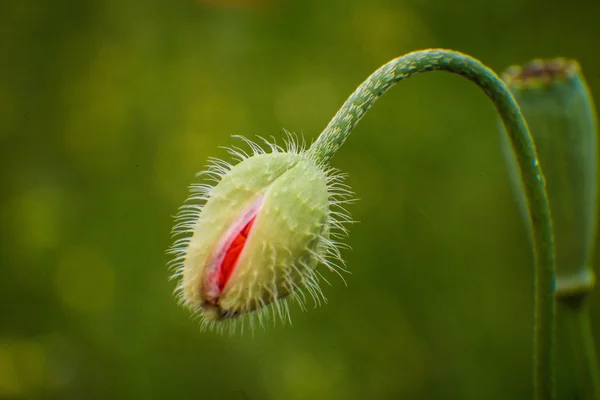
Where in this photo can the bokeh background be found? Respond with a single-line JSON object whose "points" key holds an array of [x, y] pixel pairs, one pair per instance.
{"points": [[108, 109]]}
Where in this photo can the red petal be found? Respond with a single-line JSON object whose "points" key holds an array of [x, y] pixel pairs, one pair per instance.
{"points": [[233, 253]]}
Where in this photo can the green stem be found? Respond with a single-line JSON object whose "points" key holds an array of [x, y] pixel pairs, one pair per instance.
{"points": [[410, 64], [559, 108], [576, 313], [588, 352]]}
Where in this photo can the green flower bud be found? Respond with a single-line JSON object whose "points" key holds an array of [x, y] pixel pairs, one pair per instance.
{"points": [[556, 103], [258, 235]]}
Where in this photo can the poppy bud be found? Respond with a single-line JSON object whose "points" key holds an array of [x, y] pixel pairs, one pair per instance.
{"points": [[258, 235]]}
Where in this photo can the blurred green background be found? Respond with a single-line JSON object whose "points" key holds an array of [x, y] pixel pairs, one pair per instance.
{"points": [[108, 109]]}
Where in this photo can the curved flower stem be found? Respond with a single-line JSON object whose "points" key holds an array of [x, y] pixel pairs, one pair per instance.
{"points": [[334, 135]]}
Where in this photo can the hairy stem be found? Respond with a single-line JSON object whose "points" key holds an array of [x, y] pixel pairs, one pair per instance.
{"points": [[410, 64]]}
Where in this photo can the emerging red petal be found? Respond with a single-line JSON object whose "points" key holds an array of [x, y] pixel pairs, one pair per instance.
{"points": [[232, 254]]}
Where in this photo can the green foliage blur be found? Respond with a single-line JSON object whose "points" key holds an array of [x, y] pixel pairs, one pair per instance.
{"points": [[108, 109]]}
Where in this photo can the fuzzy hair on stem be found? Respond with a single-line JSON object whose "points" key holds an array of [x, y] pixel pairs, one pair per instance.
{"points": [[530, 172]]}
